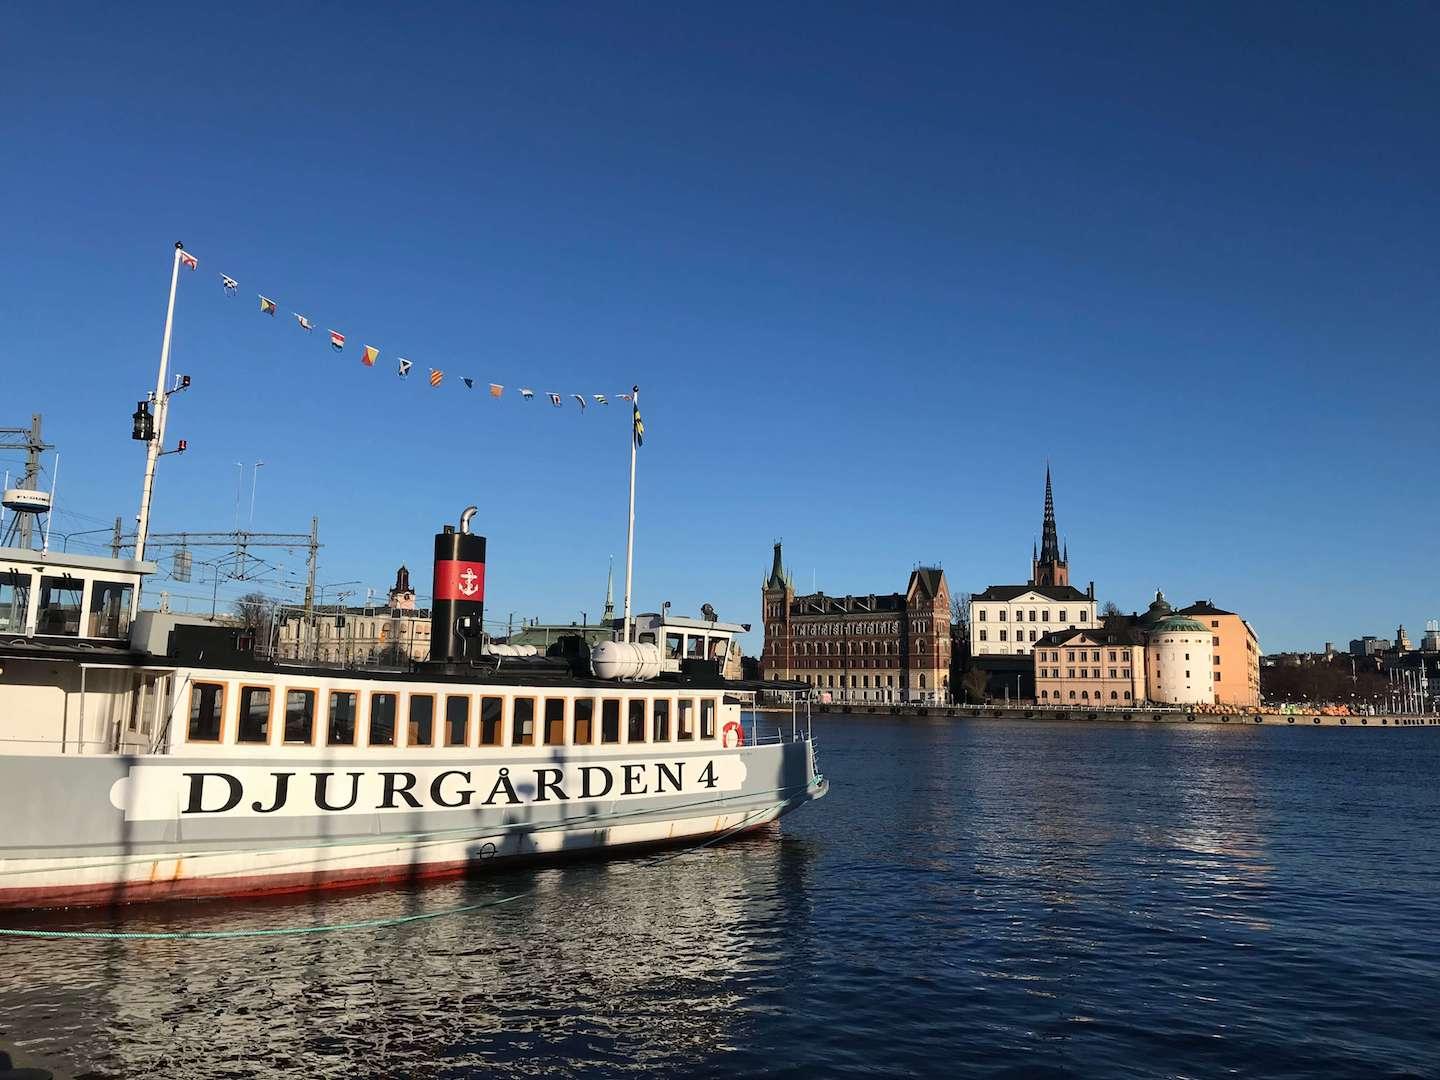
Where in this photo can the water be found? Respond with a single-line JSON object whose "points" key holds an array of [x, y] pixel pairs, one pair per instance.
{"points": [[974, 898]]}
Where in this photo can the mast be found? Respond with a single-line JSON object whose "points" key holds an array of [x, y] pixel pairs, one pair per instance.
{"points": [[152, 451], [630, 528]]}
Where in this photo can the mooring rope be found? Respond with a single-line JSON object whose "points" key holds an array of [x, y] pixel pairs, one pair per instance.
{"points": [[362, 924]]}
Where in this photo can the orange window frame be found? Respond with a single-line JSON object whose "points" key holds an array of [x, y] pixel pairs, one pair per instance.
{"points": [[269, 739], [394, 719], [314, 692], [354, 716], [220, 736], [564, 722], [534, 722], [409, 721], [457, 697], [575, 722], [499, 739]]}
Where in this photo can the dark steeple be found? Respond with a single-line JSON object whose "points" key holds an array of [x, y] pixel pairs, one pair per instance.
{"points": [[1051, 567], [777, 573], [1049, 536]]}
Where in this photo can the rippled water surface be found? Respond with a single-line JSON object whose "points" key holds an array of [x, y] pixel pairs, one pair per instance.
{"points": [[973, 898]]}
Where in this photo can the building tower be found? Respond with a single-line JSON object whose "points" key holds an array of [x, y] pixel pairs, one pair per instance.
{"points": [[776, 595], [609, 593], [1402, 640], [402, 596], [1050, 567]]}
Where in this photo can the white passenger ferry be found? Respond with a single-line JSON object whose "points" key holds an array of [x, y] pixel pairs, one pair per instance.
{"points": [[162, 757]]}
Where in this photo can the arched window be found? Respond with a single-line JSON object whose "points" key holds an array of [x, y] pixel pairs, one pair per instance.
{"points": [[922, 680], [1114, 696], [1072, 695], [1044, 693]]}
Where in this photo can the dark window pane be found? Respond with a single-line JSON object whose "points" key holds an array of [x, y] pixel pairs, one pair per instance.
{"points": [[707, 718], [341, 729], [299, 716], [382, 719], [422, 720], [610, 721], [254, 715], [523, 726], [491, 710], [687, 719], [205, 706], [457, 720], [584, 721], [554, 721], [637, 720], [661, 724]]}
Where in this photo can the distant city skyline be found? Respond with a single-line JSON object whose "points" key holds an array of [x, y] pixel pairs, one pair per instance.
{"points": [[872, 268]]}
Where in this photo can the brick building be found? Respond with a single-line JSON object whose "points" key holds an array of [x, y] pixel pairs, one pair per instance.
{"points": [[891, 647]]}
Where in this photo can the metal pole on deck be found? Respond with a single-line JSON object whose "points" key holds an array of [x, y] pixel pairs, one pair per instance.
{"points": [[635, 430], [152, 451]]}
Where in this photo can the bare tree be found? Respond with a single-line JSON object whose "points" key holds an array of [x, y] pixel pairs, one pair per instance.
{"points": [[255, 610], [974, 686]]}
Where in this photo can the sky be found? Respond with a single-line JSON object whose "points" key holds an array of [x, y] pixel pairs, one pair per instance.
{"points": [[872, 266]]}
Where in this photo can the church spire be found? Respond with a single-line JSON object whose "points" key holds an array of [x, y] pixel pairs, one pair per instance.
{"points": [[777, 572], [1051, 567], [610, 593]]}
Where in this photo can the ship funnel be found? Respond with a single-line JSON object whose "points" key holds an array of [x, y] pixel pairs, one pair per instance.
{"points": [[458, 605]]}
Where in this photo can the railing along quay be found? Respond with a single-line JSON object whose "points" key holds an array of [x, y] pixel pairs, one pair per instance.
{"points": [[1248, 718]]}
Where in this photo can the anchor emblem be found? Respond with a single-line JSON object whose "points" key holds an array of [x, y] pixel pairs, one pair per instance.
{"points": [[467, 582]]}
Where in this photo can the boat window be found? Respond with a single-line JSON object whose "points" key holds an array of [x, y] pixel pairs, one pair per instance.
{"points": [[254, 715], [523, 722], [299, 716], [661, 714], [554, 721], [695, 647], [343, 706], [636, 727], [610, 721], [717, 648], [382, 719], [584, 721], [707, 718], [686, 720], [14, 601], [109, 609], [60, 605], [491, 711], [457, 720], [207, 705], [422, 720], [647, 638], [672, 646]]}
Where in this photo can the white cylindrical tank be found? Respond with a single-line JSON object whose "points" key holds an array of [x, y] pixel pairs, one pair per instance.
{"points": [[625, 660], [1179, 663], [512, 650]]}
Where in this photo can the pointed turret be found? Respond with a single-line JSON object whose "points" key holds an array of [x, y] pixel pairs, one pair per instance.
{"points": [[777, 571], [610, 592], [1051, 567]]}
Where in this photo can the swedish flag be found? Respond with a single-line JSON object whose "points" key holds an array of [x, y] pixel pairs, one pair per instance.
{"points": [[639, 428]]}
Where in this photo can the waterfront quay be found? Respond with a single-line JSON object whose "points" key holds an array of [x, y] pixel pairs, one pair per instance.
{"points": [[1131, 716]]}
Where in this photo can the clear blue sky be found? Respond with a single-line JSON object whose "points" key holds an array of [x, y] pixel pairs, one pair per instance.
{"points": [[871, 265]]}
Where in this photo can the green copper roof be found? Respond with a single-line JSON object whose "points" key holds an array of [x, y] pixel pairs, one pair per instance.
{"points": [[1176, 624]]}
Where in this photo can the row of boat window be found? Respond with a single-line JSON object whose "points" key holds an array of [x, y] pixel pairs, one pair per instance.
{"points": [[554, 721]]}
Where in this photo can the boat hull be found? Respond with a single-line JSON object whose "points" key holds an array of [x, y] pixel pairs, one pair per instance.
{"points": [[96, 831]]}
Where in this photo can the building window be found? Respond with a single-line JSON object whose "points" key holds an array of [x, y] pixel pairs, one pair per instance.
{"points": [[1062, 614], [1217, 661], [1217, 676], [982, 614], [1070, 674], [254, 715], [1002, 614], [1032, 614], [982, 636], [554, 721], [1112, 659], [1125, 673], [1002, 635], [344, 705], [610, 721], [1032, 635], [382, 719], [1044, 694], [1216, 624], [1045, 615], [1112, 670], [1114, 696], [492, 709], [522, 722], [422, 720], [207, 705], [1072, 695], [1084, 695], [1070, 655], [1214, 641]]}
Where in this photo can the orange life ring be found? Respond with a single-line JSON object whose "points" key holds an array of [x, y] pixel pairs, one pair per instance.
{"points": [[732, 734]]}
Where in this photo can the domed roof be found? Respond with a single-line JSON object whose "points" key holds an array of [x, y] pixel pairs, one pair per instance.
{"points": [[1177, 624], [1158, 609]]}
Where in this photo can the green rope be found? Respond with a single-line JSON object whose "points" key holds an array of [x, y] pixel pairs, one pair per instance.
{"points": [[364, 924]]}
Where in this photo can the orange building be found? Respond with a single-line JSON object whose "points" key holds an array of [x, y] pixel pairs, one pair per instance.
{"points": [[1236, 654]]}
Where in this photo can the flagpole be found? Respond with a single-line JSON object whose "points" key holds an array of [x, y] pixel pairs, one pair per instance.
{"points": [[630, 531], [152, 451]]}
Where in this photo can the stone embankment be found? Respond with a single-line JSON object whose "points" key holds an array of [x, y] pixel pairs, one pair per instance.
{"points": [[1134, 716]]}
